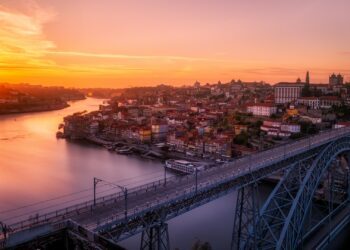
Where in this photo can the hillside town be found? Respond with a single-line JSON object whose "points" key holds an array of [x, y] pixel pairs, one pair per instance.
{"points": [[213, 121], [22, 98]]}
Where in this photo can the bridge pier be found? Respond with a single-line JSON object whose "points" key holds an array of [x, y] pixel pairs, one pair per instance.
{"points": [[348, 175], [311, 192], [245, 221], [155, 237]]}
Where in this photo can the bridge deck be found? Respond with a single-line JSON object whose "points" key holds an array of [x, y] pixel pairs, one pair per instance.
{"points": [[111, 208]]}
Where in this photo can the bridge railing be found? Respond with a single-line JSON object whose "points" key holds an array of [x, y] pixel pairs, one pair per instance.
{"points": [[87, 206], [253, 160], [268, 156], [241, 165]]}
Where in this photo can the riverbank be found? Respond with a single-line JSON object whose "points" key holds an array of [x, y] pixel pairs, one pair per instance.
{"points": [[27, 98], [33, 109], [149, 152]]}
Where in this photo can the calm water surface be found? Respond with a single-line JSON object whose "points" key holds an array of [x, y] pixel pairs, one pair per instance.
{"points": [[35, 167]]}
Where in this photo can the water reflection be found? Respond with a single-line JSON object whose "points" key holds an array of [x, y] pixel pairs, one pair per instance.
{"points": [[35, 166]]}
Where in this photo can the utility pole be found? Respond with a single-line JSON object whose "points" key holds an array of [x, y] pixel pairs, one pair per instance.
{"points": [[122, 188], [196, 174], [96, 180], [125, 190], [165, 174]]}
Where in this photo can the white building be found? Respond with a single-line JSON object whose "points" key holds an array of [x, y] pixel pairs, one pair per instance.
{"points": [[287, 92], [275, 128], [262, 109], [329, 101], [311, 102], [291, 128], [341, 125], [312, 119]]}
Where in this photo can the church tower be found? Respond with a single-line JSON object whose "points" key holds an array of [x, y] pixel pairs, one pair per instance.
{"points": [[307, 80]]}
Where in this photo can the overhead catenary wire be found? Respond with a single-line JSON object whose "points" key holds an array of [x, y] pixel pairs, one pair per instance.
{"points": [[61, 203], [159, 176]]}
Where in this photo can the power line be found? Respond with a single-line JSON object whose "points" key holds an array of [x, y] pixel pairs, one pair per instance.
{"points": [[75, 193], [44, 201]]}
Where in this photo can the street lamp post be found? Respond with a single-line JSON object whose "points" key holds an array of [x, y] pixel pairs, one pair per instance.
{"points": [[123, 189], [165, 174], [96, 180], [196, 174]]}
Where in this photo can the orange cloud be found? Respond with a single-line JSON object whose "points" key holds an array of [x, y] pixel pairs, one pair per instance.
{"points": [[34, 48]]}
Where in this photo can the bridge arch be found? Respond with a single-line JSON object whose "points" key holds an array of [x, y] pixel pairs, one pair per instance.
{"points": [[290, 222], [291, 231]]}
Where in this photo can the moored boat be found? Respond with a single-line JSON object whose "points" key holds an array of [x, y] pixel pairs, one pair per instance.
{"points": [[124, 150], [183, 166]]}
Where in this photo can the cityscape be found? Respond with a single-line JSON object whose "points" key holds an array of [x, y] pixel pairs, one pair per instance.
{"points": [[190, 127]]}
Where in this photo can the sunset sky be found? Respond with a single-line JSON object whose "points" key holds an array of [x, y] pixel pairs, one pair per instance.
{"points": [[112, 43]]}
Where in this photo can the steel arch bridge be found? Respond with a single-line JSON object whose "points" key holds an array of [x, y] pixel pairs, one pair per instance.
{"points": [[285, 219], [313, 191]]}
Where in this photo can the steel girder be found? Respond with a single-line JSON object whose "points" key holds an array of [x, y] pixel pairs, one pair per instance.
{"points": [[246, 214], [291, 232], [280, 221], [155, 237], [273, 213], [122, 229], [252, 228]]}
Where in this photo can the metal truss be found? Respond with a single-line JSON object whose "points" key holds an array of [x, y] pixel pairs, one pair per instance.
{"points": [[124, 228], [281, 222], [291, 233], [273, 214], [246, 214], [155, 237]]}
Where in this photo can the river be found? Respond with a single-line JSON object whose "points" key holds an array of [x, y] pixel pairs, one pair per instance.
{"points": [[35, 167], [38, 170]]}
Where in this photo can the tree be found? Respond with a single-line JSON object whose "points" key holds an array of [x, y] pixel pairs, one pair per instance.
{"points": [[198, 245], [242, 138], [308, 128], [306, 90], [258, 123], [273, 116], [342, 112], [296, 136]]}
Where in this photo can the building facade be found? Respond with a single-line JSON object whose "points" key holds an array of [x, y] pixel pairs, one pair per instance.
{"points": [[310, 102], [262, 109], [276, 128], [336, 79], [287, 92]]}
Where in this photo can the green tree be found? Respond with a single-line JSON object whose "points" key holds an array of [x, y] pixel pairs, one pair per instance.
{"points": [[306, 91], [198, 245], [242, 138], [308, 128], [342, 112]]}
